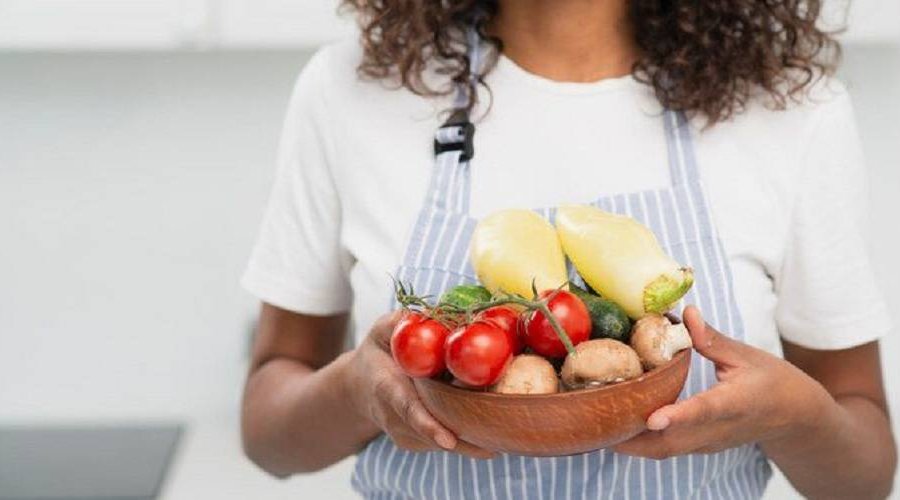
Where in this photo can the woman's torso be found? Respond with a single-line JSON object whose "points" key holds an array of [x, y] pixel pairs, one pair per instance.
{"points": [[357, 163], [545, 143]]}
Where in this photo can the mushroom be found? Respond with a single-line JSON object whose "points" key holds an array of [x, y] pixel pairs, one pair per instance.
{"points": [[527, 374], [600, 361], [656, 340]]}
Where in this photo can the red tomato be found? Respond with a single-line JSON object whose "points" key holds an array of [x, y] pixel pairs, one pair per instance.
{"points": [[571, 314], [477, 353], [417, 344], [508, 319]]}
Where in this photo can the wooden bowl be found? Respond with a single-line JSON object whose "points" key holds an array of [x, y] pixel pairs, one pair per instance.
{"points": [[565, 423]]}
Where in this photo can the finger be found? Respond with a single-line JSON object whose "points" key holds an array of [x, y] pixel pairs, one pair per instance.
{"points": [[647, 445], [411, 441], [407, 405], [383, 328], [417, 417], [710, 343], [663, 445], [694, 411], [472, 451]]}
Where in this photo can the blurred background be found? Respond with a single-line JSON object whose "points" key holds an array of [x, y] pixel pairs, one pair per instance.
{"points": [[137, 142]]}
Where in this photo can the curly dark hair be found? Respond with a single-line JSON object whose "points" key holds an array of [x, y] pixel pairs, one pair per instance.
{"points": [[706, 58]]}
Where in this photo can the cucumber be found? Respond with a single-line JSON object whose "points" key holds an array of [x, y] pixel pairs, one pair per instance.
{"points": [[608, 320], [463, 296]]}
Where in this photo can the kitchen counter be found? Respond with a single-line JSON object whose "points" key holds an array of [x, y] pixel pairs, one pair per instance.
{"points": [[209, 464]]}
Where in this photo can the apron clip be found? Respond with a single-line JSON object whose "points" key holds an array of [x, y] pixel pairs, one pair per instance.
{"points": [[456, 134]]}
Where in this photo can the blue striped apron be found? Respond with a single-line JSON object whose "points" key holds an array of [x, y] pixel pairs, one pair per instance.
{"points": [[437, 258]]}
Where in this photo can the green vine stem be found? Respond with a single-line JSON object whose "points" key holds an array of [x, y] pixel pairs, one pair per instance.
{"points": [[443, 313], [533, 305], [560, 331], [408, 299]]}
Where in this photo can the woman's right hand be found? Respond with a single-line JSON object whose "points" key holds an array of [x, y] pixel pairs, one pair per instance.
{"points": [[381, 392]]}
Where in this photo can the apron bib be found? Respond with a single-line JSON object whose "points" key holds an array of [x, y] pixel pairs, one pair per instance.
{"points": [[437, 258]]}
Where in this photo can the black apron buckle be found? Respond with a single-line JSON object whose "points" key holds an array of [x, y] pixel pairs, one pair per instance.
{"points": [[456, 134]]}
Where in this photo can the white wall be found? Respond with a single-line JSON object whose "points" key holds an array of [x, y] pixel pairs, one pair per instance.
{"points": [[130, 191], [873, 77]]}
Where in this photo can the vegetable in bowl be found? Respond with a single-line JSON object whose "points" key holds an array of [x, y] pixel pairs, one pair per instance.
{"points": [[505, 334], [621, 259]]}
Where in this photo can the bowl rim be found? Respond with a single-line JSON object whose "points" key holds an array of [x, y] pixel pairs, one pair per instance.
{"points": [[676, 360]]}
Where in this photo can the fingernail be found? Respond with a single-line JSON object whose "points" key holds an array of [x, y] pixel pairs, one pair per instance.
{"points": [[657, 422], [445, 441]]}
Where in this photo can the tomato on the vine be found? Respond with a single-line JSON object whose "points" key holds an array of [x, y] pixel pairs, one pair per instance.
{"points": [[477, 353], [417, 344], [509, 320], [571, 314]]}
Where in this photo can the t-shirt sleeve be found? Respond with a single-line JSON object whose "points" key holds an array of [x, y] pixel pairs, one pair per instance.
{"points": [[298, 262], [828, 297]]}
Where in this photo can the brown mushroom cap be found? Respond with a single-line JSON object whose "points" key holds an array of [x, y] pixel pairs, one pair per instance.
{"points": [[656, 340], [600, 361], [528, 374]]}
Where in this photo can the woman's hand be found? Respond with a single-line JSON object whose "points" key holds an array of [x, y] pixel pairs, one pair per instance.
{"points": [[382, 393], [759, 398]]}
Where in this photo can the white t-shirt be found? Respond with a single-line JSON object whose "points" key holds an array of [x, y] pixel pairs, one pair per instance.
{"points": [[786, 188]]}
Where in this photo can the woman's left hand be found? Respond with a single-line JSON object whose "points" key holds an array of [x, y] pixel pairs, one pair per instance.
{"points": [[759, 398]]}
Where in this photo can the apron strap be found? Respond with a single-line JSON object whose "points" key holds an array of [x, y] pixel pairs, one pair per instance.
{"points": [[682, 162], [454, 145]]}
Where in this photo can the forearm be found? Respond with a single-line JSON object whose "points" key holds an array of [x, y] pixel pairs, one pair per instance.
{"points": [[296, 419], [845, 451]]}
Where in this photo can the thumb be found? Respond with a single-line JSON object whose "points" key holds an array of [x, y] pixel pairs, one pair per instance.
{"points": [[384, 327], [710, 343]]}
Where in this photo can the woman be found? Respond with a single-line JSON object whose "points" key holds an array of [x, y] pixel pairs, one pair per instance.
{"points": [[713, 122]]}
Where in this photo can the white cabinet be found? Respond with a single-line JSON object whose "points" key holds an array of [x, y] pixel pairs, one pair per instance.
{"points": [[98, 24], [262, 24], [278, 23], [867, 21], [874, 21], [168, 24]]}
